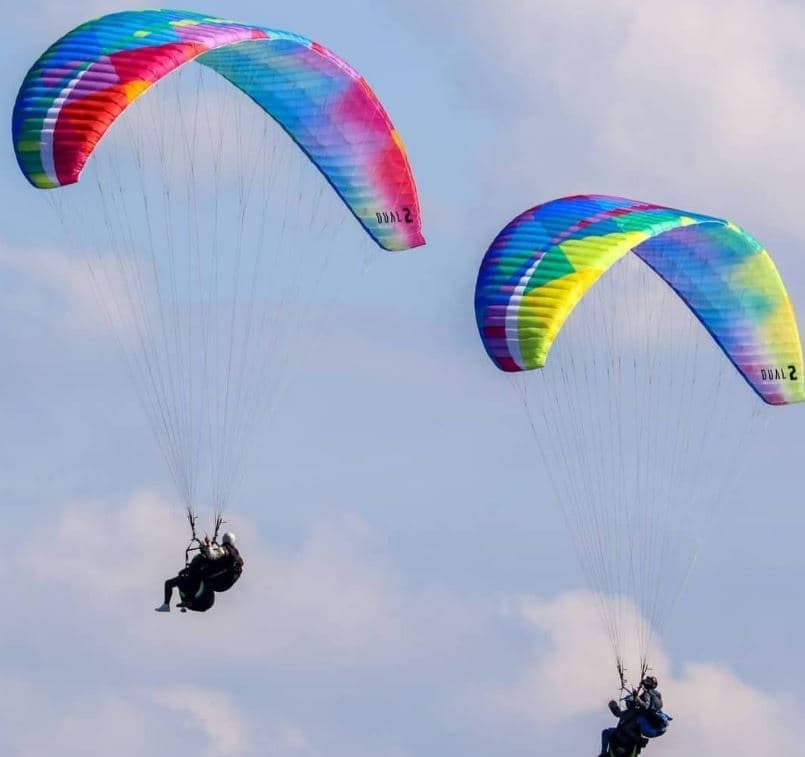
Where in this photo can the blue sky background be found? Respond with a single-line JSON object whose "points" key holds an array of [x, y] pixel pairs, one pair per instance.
{"points": [[399, 600]]}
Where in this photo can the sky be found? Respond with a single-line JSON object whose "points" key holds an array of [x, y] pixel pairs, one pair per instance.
{"points": [[406, 593]]}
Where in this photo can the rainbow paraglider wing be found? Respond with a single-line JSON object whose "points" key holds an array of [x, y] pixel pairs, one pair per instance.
{"points": [[544, 261], [79, 86]]}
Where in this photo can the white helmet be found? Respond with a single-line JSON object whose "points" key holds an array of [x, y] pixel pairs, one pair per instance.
{"points": [[228, 538]]}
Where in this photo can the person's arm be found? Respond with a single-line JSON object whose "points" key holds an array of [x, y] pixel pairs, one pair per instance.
{"points": [[614, 709], [656, 700]]}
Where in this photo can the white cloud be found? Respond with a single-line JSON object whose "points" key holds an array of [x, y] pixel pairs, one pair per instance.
{"points": [[330, 603], [335, 602], [333, 607], [721, 714], [701, 106], [289, 739], [211, 711], [90, 293], [38, 720], [92, 729], [576, 676], [329, 610], [571, 674], [105, 552], [86, 719]]}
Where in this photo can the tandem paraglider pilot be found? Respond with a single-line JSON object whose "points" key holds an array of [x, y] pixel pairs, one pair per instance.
{"points": [[653, 721], [215, 568]]}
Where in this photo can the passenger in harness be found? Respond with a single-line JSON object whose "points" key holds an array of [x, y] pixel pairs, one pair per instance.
{"points": [[653, 721], [194, 591]]}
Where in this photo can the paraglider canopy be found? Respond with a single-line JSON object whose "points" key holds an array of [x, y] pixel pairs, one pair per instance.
{"points": [[545, 260], [83, 82]]}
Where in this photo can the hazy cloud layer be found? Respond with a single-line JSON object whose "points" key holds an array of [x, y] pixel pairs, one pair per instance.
{"points": [[700, 106], [334, 607], [566, 676]]}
